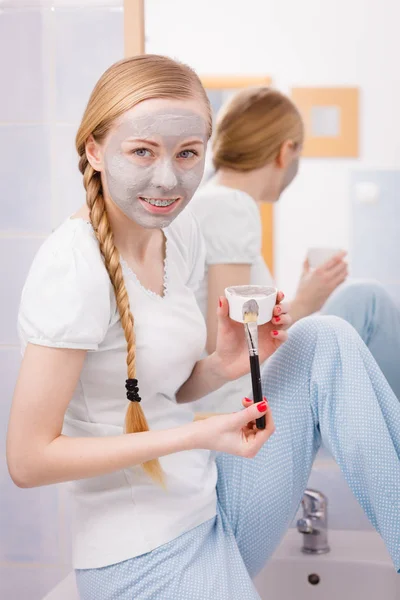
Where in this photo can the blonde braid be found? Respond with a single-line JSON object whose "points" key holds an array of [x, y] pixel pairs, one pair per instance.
{"points": [[135, 420]]}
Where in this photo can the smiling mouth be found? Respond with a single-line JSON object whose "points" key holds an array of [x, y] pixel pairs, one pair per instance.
{"points": [[159, 202]]}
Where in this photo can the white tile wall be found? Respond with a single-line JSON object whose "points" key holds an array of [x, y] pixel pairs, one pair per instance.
{"points": [[25, 178], [70, 194], [28, 522], [10, 359], [65, 522], [30, 584], [51, 54], [23, 66], [24, 4], [16, 256], [87, 42]]}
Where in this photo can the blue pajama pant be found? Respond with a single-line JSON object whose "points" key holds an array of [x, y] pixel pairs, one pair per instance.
{"points": [[373, 313], [323, 384]]}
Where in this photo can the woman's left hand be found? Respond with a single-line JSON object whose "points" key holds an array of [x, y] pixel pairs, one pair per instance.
{"points": [[232, 354]]}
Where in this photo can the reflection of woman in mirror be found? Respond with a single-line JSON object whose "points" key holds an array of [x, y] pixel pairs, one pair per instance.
{"points": [[256, 148], [167, 507]]}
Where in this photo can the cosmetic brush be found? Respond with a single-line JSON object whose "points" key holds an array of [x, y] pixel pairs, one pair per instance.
{"points": [[250, 317]]}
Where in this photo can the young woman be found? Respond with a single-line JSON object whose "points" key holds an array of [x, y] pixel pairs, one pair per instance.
{"points": [[256, 150], [167, 507]]}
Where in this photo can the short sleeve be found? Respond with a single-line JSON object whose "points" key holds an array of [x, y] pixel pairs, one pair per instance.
{"points": [[230, 225], [66, 300]]}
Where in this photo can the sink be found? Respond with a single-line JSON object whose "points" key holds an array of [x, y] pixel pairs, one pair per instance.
{"points": [[358, 567]]}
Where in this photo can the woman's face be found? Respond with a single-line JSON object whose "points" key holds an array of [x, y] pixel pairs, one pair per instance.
{"points": [[153, 159]]}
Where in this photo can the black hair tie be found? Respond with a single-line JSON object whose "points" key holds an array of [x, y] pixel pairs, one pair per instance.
{"points": [[132, 390]]}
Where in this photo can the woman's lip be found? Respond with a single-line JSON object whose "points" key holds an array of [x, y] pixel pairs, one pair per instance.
{"points": [[154, 198], [159, 210]]}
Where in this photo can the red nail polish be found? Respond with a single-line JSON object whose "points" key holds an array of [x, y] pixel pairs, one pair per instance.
{"points": [[262, 406], [265, 400], [220, 303], [275, 333], [277, 319], [248, 400]]}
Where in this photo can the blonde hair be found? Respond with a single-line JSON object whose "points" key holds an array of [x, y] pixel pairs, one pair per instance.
{"points": [[120, 88], [252, 127]]}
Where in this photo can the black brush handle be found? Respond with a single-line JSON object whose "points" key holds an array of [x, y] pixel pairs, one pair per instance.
{"points": [[257, 389]]}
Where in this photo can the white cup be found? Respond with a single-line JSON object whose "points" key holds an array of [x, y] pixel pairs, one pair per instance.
{"points": [[319, 256], [238, 295]]}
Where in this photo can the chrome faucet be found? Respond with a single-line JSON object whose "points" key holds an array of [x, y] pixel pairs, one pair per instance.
{"points": [[314, 524]]}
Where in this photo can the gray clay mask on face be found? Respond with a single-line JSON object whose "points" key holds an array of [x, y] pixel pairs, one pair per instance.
{"points": [[152, 185], [291, 173]]}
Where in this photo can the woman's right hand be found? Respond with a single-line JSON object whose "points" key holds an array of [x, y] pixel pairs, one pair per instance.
{"points": [[236, 433], [317, 285]]}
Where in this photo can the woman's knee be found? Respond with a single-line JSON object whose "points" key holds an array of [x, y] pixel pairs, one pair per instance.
{"points": [[309, 339], [310, 328], [359, 292]]}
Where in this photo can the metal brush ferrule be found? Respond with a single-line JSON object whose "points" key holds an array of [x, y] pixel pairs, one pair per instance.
{"points": [[251, 331]]}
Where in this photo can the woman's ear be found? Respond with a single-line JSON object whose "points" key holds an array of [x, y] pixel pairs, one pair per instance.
{"points": [[286, 154], [94, 154]]}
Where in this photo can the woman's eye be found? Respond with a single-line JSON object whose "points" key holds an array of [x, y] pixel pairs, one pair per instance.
{"points": [[142, 152], [187, 154]]}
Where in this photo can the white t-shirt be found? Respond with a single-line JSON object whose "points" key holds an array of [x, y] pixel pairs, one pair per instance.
{"points": [[230, 222], [68, 302]]}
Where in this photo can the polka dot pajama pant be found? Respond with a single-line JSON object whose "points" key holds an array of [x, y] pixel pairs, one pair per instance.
{"points": [[323, 384]]}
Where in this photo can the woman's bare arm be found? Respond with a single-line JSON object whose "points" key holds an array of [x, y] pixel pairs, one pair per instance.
{"points": [[38, 454]]}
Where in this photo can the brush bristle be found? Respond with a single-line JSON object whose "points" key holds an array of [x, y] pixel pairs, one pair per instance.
{"points": [[250, 311], [250, 317]]}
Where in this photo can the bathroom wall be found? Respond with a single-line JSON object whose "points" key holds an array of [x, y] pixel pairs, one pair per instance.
{"points": [[309, 43], [51, 54]]}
